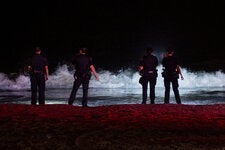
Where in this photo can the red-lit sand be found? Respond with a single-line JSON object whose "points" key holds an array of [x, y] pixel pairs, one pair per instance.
{"points": [[117, 127]]}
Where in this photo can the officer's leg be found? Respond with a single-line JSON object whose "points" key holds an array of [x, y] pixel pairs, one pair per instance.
{"points": [[176, 91], [144, 90], [76, 86], [167, 90], [85, 85], [152, 90], [33, 90], [41, 89]]}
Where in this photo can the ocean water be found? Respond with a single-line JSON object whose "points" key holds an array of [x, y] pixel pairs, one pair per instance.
{"points": [[122, 87]]}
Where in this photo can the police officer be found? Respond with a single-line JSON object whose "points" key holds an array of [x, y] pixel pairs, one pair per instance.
{"points": [[171, 74], [38, 68], [83, 65], [148, 71]]}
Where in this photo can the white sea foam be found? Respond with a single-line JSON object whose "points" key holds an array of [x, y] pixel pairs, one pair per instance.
{"points": [[63, 78]]}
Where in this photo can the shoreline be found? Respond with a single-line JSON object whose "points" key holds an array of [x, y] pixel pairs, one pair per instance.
{"points": [[167, 126]]}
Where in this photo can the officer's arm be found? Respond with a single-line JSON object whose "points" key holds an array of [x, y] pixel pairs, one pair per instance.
{"points": [[141, 68], [94, 72], [46, 72], [179, 71], [29, 68]]}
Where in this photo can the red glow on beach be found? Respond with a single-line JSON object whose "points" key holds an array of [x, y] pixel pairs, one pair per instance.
{"points": [[180, 122]]}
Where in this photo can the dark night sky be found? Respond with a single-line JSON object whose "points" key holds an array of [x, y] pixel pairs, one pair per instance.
{"points": [[116, 32]]}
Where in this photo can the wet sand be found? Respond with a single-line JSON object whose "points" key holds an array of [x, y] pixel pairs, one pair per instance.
{"points": [[113, 127]]}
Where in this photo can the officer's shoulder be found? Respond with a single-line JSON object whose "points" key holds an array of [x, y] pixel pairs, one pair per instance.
{"points": [[145, 56], [154, 56], [77, 55], [90, 58]]}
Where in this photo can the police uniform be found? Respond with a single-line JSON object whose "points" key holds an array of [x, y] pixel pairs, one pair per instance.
{"points": [[149, 75], [82, 76], [37, 78], [171, 75]]}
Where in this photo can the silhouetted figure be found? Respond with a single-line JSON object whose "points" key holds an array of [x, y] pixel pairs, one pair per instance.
{"points": [[38, 69], [171, 74], [148, 71], [83, 67]]}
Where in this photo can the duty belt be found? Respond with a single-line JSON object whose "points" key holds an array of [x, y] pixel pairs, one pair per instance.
{"points": [[38, 71], [150, 72]]}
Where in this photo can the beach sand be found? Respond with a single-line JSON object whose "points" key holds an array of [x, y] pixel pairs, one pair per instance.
{"points": [[113, 127]]}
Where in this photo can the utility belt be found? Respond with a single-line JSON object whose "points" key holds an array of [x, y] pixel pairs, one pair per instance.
{"points": [[38, 72], [147, 75], [86, 75], [151, 73], [170, 74]]}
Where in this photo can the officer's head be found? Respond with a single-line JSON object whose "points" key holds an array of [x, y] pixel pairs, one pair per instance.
{"points": [[170, 50], [149, 50], [37, 50], [83, 50]]}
